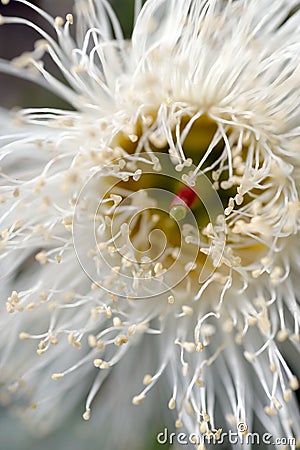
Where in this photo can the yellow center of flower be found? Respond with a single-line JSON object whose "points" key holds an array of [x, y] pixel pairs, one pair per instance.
{"points": [[206, 159]]}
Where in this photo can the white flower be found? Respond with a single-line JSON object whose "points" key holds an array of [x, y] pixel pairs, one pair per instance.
{"points": [[160, 212]]}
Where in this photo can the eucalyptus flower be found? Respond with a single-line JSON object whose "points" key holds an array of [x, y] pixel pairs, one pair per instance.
{"points": [[152, 229]]}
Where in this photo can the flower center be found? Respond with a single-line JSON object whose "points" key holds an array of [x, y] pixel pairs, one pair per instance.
{"points": [[192, 194]]}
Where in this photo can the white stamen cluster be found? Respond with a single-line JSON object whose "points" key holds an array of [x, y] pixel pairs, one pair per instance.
{"points": [[94, 264]]}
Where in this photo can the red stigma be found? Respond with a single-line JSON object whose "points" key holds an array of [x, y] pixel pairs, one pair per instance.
{"points": [[185, 195]]}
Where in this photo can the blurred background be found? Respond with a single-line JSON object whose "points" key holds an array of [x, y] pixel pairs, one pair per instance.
{"points": [[15, 39]]}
